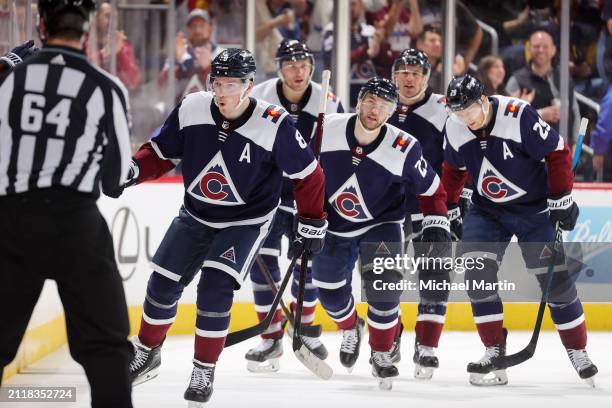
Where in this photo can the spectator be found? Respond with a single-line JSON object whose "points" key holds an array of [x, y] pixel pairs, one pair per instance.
{"points": [[400, 22], [604, 49], [601, 138], [469, 33], [365, 45], [491, 72], [128, 70], [275, 20], [430, 42], [320, 16], [193, 54], [542, 77]]}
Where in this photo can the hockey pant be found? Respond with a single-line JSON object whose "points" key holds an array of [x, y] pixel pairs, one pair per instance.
{"points": [[486, 236], [224, 257], [332, 272]]}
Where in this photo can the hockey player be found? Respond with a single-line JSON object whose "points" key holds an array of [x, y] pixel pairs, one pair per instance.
{"points": [[234, 150], [299, 96], [368, 163], [421, 113], [523, 179]]}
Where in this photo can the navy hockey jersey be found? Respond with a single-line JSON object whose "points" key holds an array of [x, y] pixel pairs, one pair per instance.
{"points": [[508, 160], [366, 186], [425, 121], [304, 114], [232, 171]]}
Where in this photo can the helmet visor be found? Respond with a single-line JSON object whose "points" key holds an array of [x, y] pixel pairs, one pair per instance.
{"points": [[381, 105], [222, 86], [468, 115]]}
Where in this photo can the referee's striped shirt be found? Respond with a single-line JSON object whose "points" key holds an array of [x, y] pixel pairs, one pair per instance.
{"points": [[63, 123]]}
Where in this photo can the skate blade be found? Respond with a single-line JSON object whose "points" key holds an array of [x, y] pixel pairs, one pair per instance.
{"points": [[423, 373], [145, 377], [317, 366], [591, 382], [195, 404], [385, 384], [497, 377], [272, 366]]}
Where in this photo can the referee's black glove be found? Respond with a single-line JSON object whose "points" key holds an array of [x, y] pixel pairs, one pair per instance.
{"points": [[309, 236], [18, 54], [132, 178]]}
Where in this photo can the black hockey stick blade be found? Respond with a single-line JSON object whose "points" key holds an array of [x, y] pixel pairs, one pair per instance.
{"points": [[245, 334], [310, 331]]}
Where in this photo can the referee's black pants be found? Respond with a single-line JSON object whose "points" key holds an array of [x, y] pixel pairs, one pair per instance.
{"points": [[59, 234]]}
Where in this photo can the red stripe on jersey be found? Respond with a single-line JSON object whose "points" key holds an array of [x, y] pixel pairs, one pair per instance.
{"points": [[309, 194], [560, 174], [151, 166], [434, 204], [453, 181]]}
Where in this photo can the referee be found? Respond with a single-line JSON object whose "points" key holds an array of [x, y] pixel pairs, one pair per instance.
{"points": [[63, 136]]}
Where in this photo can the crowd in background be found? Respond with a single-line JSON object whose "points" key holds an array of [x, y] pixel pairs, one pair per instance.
{"points": [[526, 64]]}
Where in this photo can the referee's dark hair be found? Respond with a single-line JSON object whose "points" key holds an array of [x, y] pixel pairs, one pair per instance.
{"points": [[65, 19]]}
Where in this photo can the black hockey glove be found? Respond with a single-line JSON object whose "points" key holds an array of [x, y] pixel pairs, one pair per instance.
{"points": [[132, 178], [436, 231], [564, 210], [18, 54], [309, 236], [455, 217]]}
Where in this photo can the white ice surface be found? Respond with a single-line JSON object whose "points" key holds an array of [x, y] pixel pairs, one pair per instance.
{"points": [[547, 380]]}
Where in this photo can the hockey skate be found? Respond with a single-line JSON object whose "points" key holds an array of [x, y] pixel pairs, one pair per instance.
{"points": [[351, 341], [489, 370], [146, 362], [313, 344], [583, 365], [383, 369], [268, 351], [201, 384], [425, 361], [395, 353]]}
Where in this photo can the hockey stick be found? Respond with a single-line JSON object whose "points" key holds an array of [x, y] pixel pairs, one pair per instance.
{"points": [[259, 328], [528, 352], [310, 331], [319, 367]]}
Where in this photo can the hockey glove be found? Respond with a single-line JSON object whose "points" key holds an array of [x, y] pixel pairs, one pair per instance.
{"points": [[436, 232], [309, 236], [132, 178], [455, 217], [18, 54], [564, 210]]}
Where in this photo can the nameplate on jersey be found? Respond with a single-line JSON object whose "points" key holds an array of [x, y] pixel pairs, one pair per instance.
{"points": [[214, 184], [401, 142], [513, 108], [493, 185], [273, 113], [349, 203]]}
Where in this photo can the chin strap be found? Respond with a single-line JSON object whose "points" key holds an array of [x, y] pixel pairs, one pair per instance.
{"points": [[485, 111]]}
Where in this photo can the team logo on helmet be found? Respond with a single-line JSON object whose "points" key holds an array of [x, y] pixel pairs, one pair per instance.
{"points": [[214, 184], [494, 186], [349, 203]]}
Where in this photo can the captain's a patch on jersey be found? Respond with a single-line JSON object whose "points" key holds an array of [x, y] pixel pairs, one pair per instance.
{"points": [[401, 142], [214, 185], [513, 108], [273, 113]]}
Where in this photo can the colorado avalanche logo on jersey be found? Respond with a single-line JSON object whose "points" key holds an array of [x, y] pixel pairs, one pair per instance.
{"points": [[214, 184], [494, 186], [349, 203]]}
